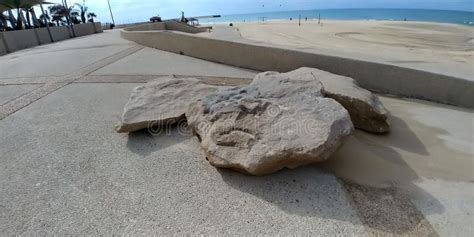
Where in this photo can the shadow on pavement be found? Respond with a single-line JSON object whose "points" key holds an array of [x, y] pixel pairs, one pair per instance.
{"points": [[144, 142], [306, 191], [403, 137], [374, 175]]}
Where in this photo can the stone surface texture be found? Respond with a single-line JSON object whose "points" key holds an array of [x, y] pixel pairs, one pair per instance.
{"points": [[366, 110], [161, 102], [276, 122]]}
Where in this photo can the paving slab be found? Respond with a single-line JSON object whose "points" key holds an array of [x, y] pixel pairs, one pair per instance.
{"points": [[66, 171], [63, 57], [457, 200], [11, 92], [151, 61]]}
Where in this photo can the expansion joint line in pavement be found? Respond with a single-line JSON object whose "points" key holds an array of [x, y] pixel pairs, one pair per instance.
{"points": [[211, 80], [58, 82], [25, 80]]}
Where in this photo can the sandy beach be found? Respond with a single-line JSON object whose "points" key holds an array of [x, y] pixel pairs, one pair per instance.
{"points": [[442, 48]]}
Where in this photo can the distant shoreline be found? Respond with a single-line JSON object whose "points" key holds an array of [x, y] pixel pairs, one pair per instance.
{"points": [[337, 20], [370, 14], [351, 9]]}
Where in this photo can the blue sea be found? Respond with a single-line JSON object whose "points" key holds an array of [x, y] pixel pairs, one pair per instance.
{"points": [[443, 16]]}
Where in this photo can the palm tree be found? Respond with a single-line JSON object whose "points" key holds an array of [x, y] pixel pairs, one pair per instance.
{"points": [[3, 22], [58, 12], [36, 22], [83, 9], [44, 18], [23, 19], [3, 18], [91, 16], [12, 19], [18, 5], [28, 17], [74, 16]]}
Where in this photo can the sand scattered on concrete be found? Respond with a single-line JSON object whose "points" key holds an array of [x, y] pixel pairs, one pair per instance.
{"points": [[415, 147], [387, 211]]}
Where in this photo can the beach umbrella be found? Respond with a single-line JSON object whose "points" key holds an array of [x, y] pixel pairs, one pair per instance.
{"points": [[18, 5], [3, 9], [36, 22]]}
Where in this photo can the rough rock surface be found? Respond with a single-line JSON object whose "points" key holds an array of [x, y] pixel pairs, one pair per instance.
{"points": [[161, 102], [276, 122], [366, 110]]}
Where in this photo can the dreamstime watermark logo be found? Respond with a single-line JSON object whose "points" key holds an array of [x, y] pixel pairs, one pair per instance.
{"points": [[270, 121], [273, 110], [169, 127]]}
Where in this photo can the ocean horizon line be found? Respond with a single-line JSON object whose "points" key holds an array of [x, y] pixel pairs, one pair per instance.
{"points": [[353, 8], [390, 14]]}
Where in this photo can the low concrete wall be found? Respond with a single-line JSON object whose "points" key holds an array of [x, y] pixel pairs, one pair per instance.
{"points": [[22, 39], [121, 26], [43, 35], [12, 41], [170, 25], [84, 29], [148, 27], [177, 26], [373, 76], [3, 49], [60, 33], [98, 27]]}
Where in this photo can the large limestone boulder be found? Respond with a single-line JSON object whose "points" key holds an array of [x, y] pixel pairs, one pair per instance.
{"points": [[276, 122], [161, 102], [366, 110]]}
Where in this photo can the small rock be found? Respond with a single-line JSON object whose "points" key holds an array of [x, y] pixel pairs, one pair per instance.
{"points": [[276, 122], [161, 102], [366, 110]]}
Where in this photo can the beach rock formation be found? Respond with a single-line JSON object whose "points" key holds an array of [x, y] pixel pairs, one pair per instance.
{"points": [[278, 121], [366, 110], [161, 102]]}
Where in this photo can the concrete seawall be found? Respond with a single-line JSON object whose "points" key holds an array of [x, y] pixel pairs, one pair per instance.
{"points": [[60, 33], [43, 36], [22, 39], [3, 49], [377, 77], [12, 41]]}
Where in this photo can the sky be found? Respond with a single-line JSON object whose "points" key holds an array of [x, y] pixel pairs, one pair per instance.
{"points": [[129, 11]]}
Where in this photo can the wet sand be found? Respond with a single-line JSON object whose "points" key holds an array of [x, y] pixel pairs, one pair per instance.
{"points": [[442, 48]]}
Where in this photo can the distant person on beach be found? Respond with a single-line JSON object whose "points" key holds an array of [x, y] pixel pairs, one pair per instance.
{"points": [[291, 19], [183, 19]]}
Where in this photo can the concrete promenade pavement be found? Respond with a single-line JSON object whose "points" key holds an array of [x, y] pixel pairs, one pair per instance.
{"points": [[64, 170]]}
